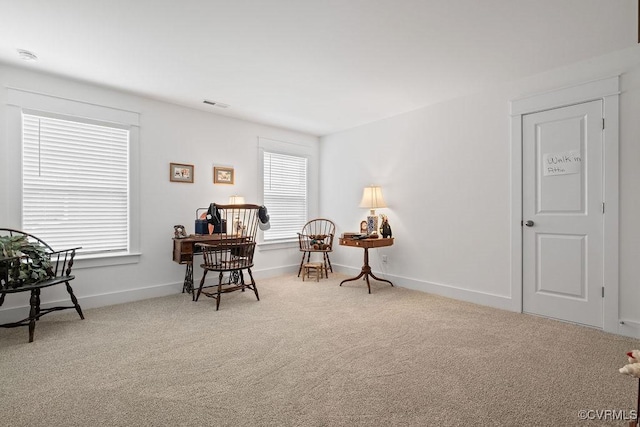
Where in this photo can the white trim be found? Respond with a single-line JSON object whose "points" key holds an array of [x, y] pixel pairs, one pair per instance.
{"points": [[278, 244], [27, 99], [104, 260], [475, 297], [607, 90], [130, 295], [302, 149], [589, 91], [21, 99], [611, 230], [629, 328]]}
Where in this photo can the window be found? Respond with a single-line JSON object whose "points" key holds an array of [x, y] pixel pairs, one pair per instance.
{"points": [[285, 194], [76, 183]]}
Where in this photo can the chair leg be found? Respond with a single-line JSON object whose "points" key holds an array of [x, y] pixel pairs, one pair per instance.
{"points": [[219, 291], [301, 263], [201, 284], [328, 262], [74, 300], [253, 284], [33, 312]]}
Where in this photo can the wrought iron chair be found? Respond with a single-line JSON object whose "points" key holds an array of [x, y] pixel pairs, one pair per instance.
{"points": [[54, 269], [236, 226], [317, 236]]}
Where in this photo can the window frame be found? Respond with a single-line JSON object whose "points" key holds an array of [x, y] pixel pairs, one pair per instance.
{"points": [[301, 149], [306, 195], [19, 101]]}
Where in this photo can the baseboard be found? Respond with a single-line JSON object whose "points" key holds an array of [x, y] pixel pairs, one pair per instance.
{"points": [[629, 328], [98, 300], [267, 273], [482, 298], [11, 314]]}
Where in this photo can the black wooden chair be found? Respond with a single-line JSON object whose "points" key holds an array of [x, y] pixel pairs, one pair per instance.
{"points": [[236, 226], [317, 236], [59, 264]]}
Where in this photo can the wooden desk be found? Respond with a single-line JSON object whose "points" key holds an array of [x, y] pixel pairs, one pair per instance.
{"points": [[184, 249], [366, 244]]}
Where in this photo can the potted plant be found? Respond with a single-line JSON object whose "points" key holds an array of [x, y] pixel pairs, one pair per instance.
{"points": [[22, 262]]}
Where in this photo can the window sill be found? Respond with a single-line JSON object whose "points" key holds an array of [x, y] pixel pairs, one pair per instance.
{"points": [[280, 244], [104, 260]]}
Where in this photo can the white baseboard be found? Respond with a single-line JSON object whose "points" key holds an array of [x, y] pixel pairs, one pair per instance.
{"points": [[12, 314], [482, 298], [629, 328]]}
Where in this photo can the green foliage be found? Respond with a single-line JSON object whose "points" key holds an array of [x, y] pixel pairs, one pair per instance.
{"points": [[33, 265]]}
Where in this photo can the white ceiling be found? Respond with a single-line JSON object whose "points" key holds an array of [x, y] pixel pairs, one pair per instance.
{"points": [[317, 66]]}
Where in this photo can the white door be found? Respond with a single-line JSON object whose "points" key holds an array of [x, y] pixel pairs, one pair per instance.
{"points": [[562, 232]]}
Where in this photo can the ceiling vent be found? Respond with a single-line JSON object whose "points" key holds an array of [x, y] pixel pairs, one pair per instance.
{"points": [[216, 104], [27, 55]]}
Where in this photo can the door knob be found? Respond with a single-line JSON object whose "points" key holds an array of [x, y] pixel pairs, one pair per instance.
{"points": [[529, 223]]}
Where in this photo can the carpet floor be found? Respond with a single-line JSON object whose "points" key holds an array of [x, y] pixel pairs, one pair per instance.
{"points": [[312, 354]]}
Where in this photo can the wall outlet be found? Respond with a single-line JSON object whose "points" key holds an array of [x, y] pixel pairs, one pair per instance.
{"points": [[384, 259]]}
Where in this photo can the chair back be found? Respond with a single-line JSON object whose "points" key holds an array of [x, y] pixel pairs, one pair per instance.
{"points": [[236, 227], [56, 263], [30, 237], [317, 235]]}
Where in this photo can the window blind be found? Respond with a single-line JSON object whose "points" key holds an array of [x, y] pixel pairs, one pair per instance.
{"points": [[75, 184], [285, 195]]}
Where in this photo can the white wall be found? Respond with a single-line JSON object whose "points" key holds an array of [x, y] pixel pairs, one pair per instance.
{"points": [[445, 172], [168, 133]]}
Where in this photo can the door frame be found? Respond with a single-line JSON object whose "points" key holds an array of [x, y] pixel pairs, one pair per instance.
{"points": [[608, 91]]}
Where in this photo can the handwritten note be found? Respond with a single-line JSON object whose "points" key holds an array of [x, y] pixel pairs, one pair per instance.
{"points": [[564, 163]]}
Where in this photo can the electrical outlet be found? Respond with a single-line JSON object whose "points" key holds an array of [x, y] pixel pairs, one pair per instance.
{"points": [[384, 259]]}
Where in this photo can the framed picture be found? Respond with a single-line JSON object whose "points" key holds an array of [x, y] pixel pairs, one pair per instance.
{"points": [[222, 175], [179, 172]]}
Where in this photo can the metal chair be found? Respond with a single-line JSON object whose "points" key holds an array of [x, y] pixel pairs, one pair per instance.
{"points": [[317, 236], [237, 226]]}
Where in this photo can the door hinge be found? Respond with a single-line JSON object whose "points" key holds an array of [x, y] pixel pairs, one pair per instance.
{"points": [[602, 207], [603, 124], [603, 292]]}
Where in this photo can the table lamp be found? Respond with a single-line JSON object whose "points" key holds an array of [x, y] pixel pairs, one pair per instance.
{"points": [[372, 199], [236, 200], [237, 224]]}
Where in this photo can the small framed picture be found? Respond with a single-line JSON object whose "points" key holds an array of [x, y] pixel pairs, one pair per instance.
{"points": [[179, 172], [363, 227], [222, 175]]}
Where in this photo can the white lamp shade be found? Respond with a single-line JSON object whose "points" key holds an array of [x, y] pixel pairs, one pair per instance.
{"points": [[372, 198], [236, 200]]}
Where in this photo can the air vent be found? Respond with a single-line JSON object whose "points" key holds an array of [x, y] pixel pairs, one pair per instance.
{"points": [[216, 104], [27, 55]]}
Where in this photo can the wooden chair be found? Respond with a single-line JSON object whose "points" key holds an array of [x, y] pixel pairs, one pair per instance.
{"points": [[317, 236], [237, 226], [59, 272]]}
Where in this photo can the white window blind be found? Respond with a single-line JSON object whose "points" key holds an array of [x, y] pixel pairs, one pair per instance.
{"points": [[285, 195], [76, 184]]}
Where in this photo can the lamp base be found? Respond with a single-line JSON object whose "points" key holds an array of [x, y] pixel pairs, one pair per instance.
{"points": [[372, 224]]}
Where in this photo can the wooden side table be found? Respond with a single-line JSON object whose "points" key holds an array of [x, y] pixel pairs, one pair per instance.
{"points": [[366, 244]]}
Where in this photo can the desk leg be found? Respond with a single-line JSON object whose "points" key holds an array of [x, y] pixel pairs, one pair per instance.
{"points": [[187, 286], [366, 272]]}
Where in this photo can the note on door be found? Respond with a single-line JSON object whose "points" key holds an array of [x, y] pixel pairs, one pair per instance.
{"points": [[564, 163]]}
